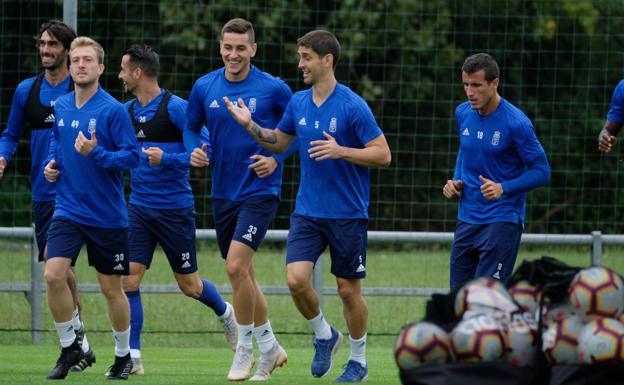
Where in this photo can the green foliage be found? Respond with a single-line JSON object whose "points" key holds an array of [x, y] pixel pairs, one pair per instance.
{"points": [[559, 62]]}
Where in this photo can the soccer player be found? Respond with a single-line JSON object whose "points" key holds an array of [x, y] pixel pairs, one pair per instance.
{"points": [[244, 204], [339, 140], [32, 116], [607, 139], [93, 141], [161, 208], [499, 160]]}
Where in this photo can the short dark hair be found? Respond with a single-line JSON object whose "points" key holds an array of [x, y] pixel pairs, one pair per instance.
{"points": [[482, 61], [322, 42], [239, 26], [144, 57], [61, 31]]}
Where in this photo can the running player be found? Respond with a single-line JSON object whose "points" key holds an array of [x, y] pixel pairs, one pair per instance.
{"points": [[161, 208], [32, 116], [93, 142], [244, 204], [339, 140]]}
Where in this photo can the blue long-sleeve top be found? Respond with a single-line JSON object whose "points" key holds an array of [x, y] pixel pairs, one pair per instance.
{"points": [[193, 140], [39, 137], [267, 97], [502, 147], [165, 186], [90, 189]]}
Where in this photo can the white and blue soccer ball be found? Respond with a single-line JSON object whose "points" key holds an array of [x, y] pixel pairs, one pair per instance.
{"points": [[483, 293], [521, 333], [560, 340], [597, 292], [478, 339], [602, 341], [422, 343]]}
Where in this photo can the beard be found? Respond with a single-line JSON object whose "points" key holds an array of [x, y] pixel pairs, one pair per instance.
{"points": [[54, 65]]}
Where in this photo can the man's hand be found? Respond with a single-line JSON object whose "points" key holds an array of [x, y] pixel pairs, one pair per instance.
{"points": [[154, 155], [490, 190], [239, 112], [263, 165], [325, 149], [84, 145], [199, 157], [50, 172], [606, 141], [452, 188], [3, 164]]}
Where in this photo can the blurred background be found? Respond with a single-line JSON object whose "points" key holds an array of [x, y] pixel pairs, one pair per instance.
{"points": [[560, 61]]}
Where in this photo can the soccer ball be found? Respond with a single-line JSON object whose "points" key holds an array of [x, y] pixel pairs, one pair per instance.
{"points": [[561, 340], [483, 293], [602, 341], [558, 312], [521, 340], [490, 282], [526, 295], [421, 343], [480, 338], [597, 292]]}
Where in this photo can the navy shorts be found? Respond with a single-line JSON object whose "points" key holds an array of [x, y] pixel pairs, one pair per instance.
{"points": [[107, 248], [484, 250], [42, 215], [173, 229], [308, 237], [243, 221]]}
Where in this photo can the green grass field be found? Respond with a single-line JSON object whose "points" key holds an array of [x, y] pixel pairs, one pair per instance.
{"points": [[182, 341], [169, 366]]}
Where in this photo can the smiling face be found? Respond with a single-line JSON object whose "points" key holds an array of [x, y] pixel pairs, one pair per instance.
{"points": [[128, 75], [52, 52], [237, 51], [84, 66], [481, 93], [312, 65]]}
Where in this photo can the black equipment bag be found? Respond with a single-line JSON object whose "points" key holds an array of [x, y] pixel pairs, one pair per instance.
{"points": [[484, 373], [584, 374]]}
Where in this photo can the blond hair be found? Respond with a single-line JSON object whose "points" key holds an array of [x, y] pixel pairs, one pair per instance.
{"points": [[84, 41]]}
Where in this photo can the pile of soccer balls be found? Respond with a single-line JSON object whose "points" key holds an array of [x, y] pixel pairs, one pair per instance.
{"points": [[589, 327], [496, 324]]}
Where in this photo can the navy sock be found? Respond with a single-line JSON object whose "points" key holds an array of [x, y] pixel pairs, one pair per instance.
{"points": [[211, 298], [136, 318]]}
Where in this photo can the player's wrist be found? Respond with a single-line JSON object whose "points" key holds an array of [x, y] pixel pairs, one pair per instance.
{"points": [[92, 152], [612, 130], [346, 152]]}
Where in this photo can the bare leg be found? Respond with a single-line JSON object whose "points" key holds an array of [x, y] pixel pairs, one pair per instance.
{"points": [[59, 296], [299, 278], [354, 306], [118, 308], [190, 284], [239, 265], [261, 312], [132, 282], [73, 287]]}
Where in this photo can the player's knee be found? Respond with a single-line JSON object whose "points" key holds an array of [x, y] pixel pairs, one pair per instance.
{"points": [[71, 276], [111, 292], [130, 282], [296, 284], [190, 289], [347, 292], [237, 271], [54, 279]]}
